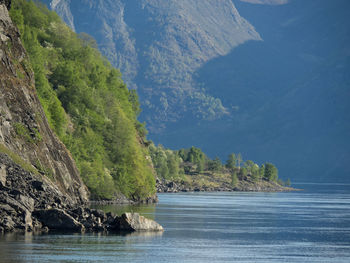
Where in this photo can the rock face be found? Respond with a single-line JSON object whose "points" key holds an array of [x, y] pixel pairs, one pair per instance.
{"points": [[58, 219], [24, 129], [30, 202], [22, 193], [7, 3]]}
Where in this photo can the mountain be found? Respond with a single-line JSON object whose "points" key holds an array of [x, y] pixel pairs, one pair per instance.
{"points": [[291, 89], [158, 45], [267, 78]]}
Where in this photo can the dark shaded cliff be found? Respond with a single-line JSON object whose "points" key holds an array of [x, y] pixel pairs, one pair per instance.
{"points": [[24, 130]]}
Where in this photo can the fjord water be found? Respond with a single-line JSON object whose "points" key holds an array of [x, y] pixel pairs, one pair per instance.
{"points": [[306, 226]]}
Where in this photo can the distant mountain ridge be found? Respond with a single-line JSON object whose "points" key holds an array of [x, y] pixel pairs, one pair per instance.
{"points": [[158, 45], [212, 83]]}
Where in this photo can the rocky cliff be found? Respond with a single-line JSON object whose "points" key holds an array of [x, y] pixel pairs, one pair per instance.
{"points": [[24, 130], [29, 202]]}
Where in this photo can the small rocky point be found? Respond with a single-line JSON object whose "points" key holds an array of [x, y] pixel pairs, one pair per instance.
{"points": [[244, 185], [32, 203]]}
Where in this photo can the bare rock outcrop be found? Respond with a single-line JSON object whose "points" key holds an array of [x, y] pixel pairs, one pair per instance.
{"points": [[136, 222], [31, 202], [58, 219]]}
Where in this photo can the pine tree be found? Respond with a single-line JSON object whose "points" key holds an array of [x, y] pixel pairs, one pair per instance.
{"points": [[231, 161]]}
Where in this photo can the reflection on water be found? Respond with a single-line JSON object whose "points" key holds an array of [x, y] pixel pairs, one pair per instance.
{"points": [[93, 247], [307, 226]]}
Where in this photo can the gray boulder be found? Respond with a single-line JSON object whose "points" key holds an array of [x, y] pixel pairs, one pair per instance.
{"points": [[135, 222]]}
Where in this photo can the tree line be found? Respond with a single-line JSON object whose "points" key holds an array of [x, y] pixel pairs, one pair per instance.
{"points": [[173, 165]]}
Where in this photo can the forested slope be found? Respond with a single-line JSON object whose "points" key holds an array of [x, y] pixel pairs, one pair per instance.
{"points": [[87, 104]]}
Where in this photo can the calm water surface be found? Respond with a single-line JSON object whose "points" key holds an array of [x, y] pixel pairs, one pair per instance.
{"points": [[308, 226]]}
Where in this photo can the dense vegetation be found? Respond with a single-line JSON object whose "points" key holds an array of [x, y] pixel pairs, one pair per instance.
{"points": [[179, 165], [87, 104], [95, 115]]}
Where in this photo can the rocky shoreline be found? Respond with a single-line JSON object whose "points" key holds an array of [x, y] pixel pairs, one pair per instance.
{"points": [[32, 203], [122, 200], [164, 186]]}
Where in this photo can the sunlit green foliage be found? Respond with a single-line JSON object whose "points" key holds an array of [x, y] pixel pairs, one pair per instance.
{"points": [[271, 172], [192, 164], [262, 171], [215, 165], [234, 179], [166, 162], [195, 156], [231, 161], [253, 170], [87, 104]]}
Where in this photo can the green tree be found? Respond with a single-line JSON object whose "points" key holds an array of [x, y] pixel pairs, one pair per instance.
{"points": [[239, 160], [271, 172], [234, 179], [197, 157], [249, 165], [242, 173], [231, 161], [173, 165], [253, 170], [215, 165], [262, 171]]}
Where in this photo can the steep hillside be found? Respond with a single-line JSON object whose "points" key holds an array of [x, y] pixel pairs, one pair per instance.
{"points": [[40, 186], [158, 45], [25, 134], [87, 105]]}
